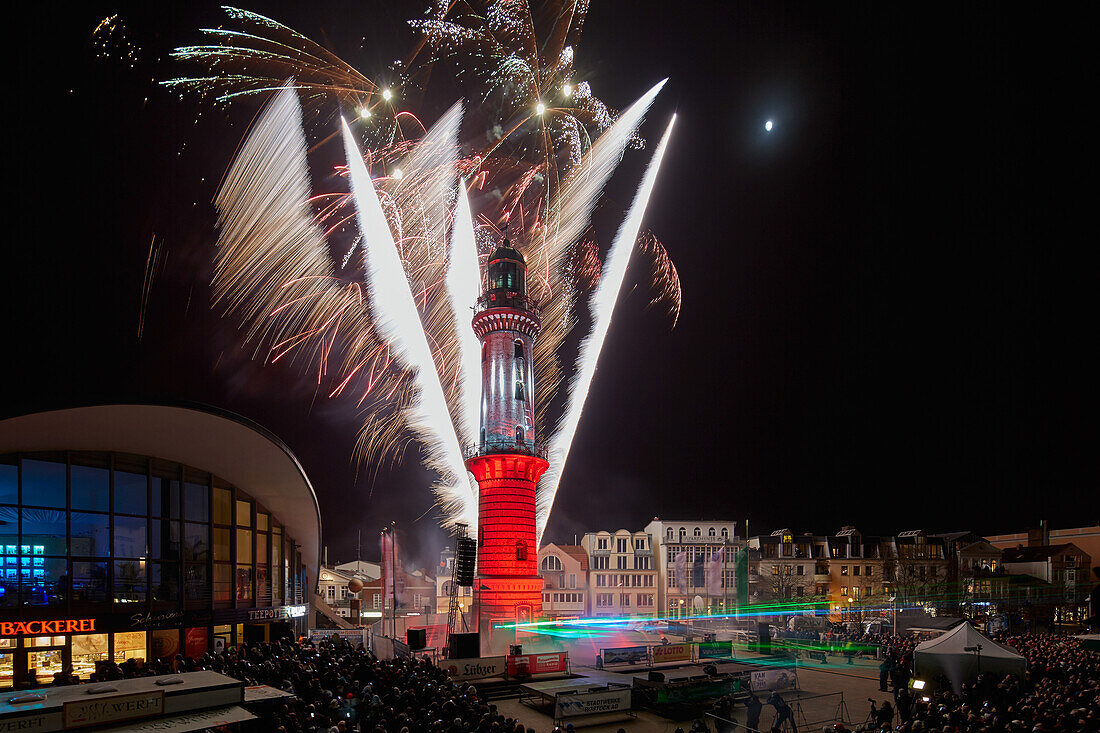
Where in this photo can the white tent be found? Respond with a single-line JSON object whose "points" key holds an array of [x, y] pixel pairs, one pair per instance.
{"points": [[962, 653]]}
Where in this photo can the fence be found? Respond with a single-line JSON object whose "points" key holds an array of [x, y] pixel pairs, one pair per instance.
{"points": [[826, 709]]}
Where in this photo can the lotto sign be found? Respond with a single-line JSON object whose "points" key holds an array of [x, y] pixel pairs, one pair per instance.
{"points": [[671, 653], [538, 663]]}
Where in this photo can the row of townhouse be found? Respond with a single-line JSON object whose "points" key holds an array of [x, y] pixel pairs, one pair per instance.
{"points": [[634, 573], [626, 573], [954, 572]]}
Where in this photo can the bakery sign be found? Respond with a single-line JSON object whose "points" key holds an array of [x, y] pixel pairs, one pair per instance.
{"points": [[47, 628]]}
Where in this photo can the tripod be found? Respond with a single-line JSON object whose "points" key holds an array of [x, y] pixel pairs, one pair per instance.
{"points": [[872, 715]]}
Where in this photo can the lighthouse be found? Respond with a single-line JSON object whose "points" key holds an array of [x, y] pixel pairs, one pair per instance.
{"points": [[508, 460]]}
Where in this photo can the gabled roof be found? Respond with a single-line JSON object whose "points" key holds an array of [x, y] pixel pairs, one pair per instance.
{"points": [[577, 553], [980, 546], [1036, 553]]}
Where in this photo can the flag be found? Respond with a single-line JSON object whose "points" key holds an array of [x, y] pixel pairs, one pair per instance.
{"points": [[387, 566], [714, 574], [741, 575], [393, 578], [682, 572]]}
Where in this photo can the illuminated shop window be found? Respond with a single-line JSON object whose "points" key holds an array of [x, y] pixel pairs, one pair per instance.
{"points": [[87, 649]]}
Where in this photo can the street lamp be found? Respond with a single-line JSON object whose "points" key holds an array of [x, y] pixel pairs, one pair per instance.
{"points": [[850, 601]]}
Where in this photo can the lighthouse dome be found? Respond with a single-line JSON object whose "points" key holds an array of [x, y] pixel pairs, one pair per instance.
{"points": [[507, 272]]}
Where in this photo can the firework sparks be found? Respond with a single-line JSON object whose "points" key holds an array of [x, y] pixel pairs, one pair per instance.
{"points": [[463, 288], [602, 306], [402, 337], [398, 322]]}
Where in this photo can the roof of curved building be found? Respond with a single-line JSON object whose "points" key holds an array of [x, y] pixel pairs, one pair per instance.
{"points": [[227, 445]]}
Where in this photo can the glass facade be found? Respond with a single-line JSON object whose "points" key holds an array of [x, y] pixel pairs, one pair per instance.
{"points": [[123, 540]]}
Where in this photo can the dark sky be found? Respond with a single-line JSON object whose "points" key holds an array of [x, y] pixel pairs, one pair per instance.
{"points": [[884, 300]]}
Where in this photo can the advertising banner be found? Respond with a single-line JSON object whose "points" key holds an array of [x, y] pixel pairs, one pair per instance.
{"points": [[590, 703], [352, 636], [698, 691], [715, 649], [538, 663], [625, 655], [784, 678], [671, 653], [473, 669], [79, 713]]}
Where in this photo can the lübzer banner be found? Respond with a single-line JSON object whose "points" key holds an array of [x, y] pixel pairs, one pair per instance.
{"points": [[591, 703], [538, 663], [472, 669], [671, 652], [785, 678]]}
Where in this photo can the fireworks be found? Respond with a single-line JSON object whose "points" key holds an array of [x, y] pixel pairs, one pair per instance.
{"points": [[399, 338]]}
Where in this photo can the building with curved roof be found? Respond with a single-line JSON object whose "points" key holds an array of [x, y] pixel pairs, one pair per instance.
{"points": [[145, 531]]}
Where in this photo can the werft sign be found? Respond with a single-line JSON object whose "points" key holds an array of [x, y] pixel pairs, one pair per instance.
{"points": [[472, 669], [47, 628], [79, 713]]}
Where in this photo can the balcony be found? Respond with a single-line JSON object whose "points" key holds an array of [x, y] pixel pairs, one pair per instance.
{"points": [[490, 447], [506, 300]]}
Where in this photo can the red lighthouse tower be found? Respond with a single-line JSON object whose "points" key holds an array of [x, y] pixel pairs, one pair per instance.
{"points": [[508, 462]]}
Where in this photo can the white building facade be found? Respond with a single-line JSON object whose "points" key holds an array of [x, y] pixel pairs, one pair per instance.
{"points": [[699, 541]]}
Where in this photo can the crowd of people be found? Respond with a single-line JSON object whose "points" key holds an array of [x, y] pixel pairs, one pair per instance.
{"points": [[1061, 692], [337, 687]]}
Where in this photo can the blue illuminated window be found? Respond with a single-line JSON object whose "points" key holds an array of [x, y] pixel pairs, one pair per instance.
{"points": [[9, 549], [39, 549]]}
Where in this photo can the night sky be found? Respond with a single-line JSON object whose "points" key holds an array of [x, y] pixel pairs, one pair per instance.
{"points": [[884, 299]]}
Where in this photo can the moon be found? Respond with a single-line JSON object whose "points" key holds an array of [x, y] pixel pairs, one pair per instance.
{"points": [[768, 126]]}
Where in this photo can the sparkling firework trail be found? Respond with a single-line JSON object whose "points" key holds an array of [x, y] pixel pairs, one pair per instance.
{"points": [[602, 307], [535, 166], [398, 322], [571, 213], [463, 289]]}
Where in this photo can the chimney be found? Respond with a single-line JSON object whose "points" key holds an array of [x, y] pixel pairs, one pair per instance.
{"points": [[1039, 536]]}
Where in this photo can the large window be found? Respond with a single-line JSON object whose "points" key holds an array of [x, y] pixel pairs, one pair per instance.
{"points": [[44, 483], [82, 528]]}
